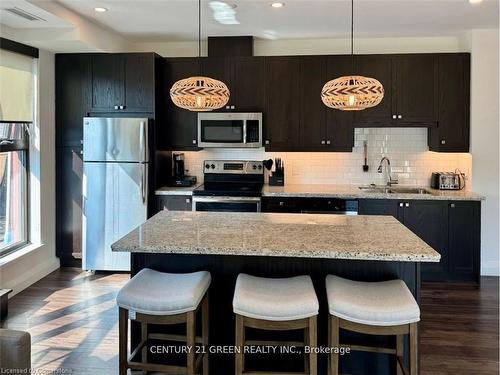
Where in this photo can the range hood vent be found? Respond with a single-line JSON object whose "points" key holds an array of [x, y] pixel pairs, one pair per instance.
{"points": [[224, 46], [24, 14]]}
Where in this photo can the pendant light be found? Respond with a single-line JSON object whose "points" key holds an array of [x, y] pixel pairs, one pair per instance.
{"points": [[352, 93], [199, 94]]}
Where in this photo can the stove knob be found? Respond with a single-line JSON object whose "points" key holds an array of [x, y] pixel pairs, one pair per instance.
{"points": [[254, 167], [213, 166], [260, 167], [207, 166]]}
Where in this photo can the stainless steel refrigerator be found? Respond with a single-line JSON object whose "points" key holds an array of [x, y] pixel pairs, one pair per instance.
{"points": [[115, 187]]}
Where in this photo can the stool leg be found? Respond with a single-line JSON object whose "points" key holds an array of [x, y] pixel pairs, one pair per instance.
{"points": [[413, 348], [240, 342], [334, 342], [191, 342], [306, 343], [313, 357], [144, 336], [204, 333], [122, 340], [399, 354]]}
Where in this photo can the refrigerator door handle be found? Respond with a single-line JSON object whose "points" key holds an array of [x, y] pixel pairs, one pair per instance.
{"points": [[143, 183], [142, 137]]}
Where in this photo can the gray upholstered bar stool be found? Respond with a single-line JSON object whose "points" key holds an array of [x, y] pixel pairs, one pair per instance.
{"points": [[153, 297], [277, 305], [374, 308]]}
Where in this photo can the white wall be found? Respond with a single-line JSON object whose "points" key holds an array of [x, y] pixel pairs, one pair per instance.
{"points": [[24, 267], [485, 140]]}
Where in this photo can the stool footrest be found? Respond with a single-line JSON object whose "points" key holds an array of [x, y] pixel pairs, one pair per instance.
{"points": [[273, 373], [166, 369], [273, 343], [371, 349], [170, 337]]}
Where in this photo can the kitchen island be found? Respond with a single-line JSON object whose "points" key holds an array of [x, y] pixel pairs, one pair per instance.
{"points": [[368, 248]]}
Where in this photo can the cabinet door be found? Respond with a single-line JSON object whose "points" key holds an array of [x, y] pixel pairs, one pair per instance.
{"points": [[339, 124], [452, 132], [219, 68], [283, 108], [108, 82], [283, 205], [69, 205], [387, 207], [464, 240], [429, 220], [73, 97], [181, 123], [416, 89], [139, 82], [380, 68], [248, 89], [174, 203], [313, 111]]}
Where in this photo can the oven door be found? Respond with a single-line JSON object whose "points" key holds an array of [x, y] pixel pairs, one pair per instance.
{"points": [[227, 204], [229, 130]]}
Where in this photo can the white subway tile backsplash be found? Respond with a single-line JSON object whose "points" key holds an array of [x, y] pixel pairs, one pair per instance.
{"points": [[407, 149]]}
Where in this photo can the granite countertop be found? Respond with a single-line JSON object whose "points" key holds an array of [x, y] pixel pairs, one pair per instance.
{"points": [[172, 190], [283, 235], [353, 191]]}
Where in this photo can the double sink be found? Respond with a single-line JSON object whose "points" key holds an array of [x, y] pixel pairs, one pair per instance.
{"points": [[393, 190]]}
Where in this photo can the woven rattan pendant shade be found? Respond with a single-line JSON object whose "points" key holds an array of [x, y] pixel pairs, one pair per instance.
{"points": [[200, 94], [352, 93]]}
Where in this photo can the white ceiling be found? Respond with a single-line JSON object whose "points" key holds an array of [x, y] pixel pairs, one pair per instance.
{"points": [[46, 19], [177, 19]]}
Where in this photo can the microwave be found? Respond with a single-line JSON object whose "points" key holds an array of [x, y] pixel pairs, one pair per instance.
{"points": [[230, 130]]}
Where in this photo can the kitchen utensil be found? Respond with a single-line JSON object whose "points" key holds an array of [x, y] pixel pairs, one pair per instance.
{"points": [[365, 152]]}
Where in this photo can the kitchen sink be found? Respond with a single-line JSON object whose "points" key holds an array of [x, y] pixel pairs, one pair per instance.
{"points": [[393, 190]]}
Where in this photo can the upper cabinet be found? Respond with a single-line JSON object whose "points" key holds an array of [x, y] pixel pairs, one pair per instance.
{"points": [[123, 82], [452, 131], [415, 89], [181, 132]]}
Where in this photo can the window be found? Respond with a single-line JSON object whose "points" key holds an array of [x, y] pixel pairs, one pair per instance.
{"points": [[17, 98]]}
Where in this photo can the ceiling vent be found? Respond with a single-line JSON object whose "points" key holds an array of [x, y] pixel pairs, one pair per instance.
{"points": [[24, 14]]}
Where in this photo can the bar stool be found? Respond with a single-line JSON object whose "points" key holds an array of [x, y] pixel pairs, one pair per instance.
{"points": [[277, 305], [373, 308], [153, 297]]}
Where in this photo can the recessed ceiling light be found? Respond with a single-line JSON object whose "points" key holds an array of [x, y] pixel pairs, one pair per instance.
{"points": [[475, 1], [100, 9], [277, 5]]}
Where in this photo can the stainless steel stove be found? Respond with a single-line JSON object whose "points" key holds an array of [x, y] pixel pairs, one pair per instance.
{"points": [[230, 186]]}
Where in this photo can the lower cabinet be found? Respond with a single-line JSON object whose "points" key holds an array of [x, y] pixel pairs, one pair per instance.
{"points": [[451, 227], [174, 202]]}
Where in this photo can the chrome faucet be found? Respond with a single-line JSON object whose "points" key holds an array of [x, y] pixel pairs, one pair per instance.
{"points": [[390, 180]]}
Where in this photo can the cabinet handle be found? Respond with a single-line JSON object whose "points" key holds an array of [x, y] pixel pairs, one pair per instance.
{"points": [[194, 141], [122, 107], [452, 205], [443, 141], [81, 152], [400, 116], [394, 117], [188, 200], [267, 141], [401, 205], [232, 107], [323, 142], [115, 107], [227, 107], [328, 142], [282, 204], [407, 205]]}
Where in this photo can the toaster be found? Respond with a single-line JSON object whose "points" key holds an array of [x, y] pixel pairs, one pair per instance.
{"points": [[446, 181]]}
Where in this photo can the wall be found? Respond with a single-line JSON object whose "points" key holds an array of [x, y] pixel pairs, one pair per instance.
{"points": [[406, 148], [24, 267], [484, 46]]}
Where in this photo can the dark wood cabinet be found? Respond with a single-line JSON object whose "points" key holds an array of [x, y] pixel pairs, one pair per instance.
{"points": [[429, 220], [69, 205], [452, 228], [182, 130], [248, 87], [339, 124], [380, 68], [464, 231], [174, 202], [387, 207], [452, 131], [123, 82], [282, 122], [415, 89], [73, 96]]}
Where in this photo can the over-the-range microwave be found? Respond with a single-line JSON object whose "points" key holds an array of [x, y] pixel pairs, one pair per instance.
{"points": [[230, 130]]}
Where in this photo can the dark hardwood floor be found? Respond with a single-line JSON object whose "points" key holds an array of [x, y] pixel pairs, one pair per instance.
{"points": [[72, 318]]}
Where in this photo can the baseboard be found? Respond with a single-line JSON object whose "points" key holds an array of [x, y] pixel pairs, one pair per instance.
{"points": [[490, 268], [25, 279]]}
